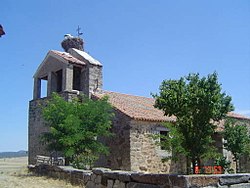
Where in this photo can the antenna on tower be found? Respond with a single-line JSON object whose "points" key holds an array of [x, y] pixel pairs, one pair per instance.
{"points": [[78, 31]]}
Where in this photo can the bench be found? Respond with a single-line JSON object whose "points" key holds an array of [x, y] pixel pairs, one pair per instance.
{"points": [[40, 159]]}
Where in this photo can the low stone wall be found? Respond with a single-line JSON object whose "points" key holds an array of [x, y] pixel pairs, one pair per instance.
{"points": [[105, 178]]}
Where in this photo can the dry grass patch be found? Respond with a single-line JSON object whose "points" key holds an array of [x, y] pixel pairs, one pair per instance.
{"points": [[14, 173]]}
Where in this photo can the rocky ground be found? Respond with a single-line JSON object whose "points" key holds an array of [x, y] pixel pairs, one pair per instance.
{"points": [[14, 173]]}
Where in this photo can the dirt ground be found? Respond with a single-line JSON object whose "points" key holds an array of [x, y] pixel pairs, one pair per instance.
{"points": [[14, 173]]}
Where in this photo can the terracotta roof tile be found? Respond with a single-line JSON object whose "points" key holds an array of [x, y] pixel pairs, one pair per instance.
{"points": [[139, 108], [142, 108], [220, 124], [237, 116], [68, 57]]}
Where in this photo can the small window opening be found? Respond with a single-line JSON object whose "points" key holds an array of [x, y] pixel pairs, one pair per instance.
{"points": [[59, 81], [44, 83], [76, 78], [163, 138]]}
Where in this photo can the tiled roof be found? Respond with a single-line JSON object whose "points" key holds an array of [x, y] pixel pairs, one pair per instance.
{"points": [[237, 116], [67, 57], [139, 108], [142, 108], [85, 56]]}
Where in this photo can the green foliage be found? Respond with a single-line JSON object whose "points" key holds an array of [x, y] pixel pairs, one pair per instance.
{"points": [[196, 102], [75, 127], [85, 160], [237, 139], [224, 163]]}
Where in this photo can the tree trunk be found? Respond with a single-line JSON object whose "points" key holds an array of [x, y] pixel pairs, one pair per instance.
{"points": [[188, 165], [237, 165], [67, 161], [199, 163], [194, 166]]}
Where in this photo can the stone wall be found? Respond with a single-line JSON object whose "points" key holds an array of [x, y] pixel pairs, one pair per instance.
{"points": [[91, 78], [132, 147], [244, 163], [145, 154], [91, 74], [35, 129], [119, 144], [105, 178], [36, 126], [95, 77]]}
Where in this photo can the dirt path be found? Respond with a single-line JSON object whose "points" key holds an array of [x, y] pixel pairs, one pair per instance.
{"points": [[14, 174]]}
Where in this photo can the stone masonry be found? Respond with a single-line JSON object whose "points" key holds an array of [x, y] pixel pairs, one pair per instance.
{"points": [[105, 178]]}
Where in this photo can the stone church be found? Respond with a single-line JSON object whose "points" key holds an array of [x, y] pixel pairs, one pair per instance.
{"points": [[75, 72]]}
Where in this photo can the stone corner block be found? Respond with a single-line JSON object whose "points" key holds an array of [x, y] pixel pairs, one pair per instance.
{"points": [[234, 179], [100, 171]]}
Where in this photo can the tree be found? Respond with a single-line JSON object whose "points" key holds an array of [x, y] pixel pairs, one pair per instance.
{"points": [[197, 103], [237, 139], [75, 127]]}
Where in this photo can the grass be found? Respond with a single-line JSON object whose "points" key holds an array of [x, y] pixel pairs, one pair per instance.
{"points": [[14, 174]]}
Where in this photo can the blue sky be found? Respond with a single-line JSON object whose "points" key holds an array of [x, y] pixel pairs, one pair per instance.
{"points": [[140, 43]]}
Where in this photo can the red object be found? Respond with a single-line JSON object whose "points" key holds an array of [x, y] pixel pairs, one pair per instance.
{"points": [[217, 170], [196, 170], [209, 169]]}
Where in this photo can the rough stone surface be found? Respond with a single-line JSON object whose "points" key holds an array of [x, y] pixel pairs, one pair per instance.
{"points": [[176, 181], [90, 184], [234, 179], [124, 176], [158, 179], [104, 181], [141, 185], [119, 144], [145, 154], [35, 129], [110, 183], [241, 185], [100, 171], [202, 180], [119, 184], [111, 175], [98, 179], [141, 180]]}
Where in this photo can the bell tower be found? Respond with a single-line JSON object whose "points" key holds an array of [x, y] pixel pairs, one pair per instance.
{"points": [[68, 73], [71, 71]]}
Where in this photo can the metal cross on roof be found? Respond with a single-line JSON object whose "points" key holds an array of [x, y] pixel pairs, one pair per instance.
{"points": [[78, 31]]}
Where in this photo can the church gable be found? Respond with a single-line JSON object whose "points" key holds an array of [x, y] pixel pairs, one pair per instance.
{"points": [[54, 61]]}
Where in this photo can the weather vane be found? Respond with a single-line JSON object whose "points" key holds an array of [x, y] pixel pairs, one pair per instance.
{"points": [[78, 31]]}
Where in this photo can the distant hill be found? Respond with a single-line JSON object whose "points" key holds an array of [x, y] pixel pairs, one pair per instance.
{"points": [[20, 153]]}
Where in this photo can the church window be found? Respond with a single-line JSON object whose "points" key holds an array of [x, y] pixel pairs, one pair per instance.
{"points": [[59, 80], [44, 83], [76, 78], [163, 137]]}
